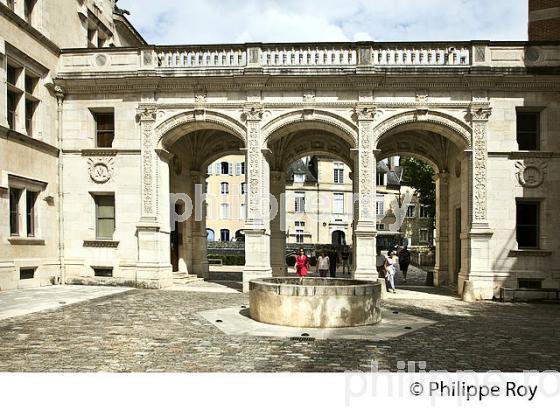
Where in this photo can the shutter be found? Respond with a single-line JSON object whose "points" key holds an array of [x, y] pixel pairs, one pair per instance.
{"points": [[238, 168], [230, 168], [210, 169], [218, 168]]}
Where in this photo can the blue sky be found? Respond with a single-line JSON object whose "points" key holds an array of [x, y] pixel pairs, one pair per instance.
{"points": [[239, 21]]}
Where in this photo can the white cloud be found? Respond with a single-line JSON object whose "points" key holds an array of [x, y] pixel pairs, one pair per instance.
{"points": [[232, 21]]}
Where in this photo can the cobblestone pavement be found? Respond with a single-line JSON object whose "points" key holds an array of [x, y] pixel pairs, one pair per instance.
{"points": [[151, 330]]}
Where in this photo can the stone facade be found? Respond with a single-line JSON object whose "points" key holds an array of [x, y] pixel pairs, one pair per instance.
{"points": [[141, 122]]}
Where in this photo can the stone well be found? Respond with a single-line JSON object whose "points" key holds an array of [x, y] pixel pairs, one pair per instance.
{"points": [[315, 302]]}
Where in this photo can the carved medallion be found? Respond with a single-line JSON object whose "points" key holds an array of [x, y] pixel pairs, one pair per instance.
{"points": [[100, 169], [530, 173]]}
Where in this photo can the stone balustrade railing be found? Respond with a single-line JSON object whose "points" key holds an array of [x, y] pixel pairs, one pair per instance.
{"points": [[276, 58]]}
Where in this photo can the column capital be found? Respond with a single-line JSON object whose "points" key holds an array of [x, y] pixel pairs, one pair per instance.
{"points": [[365, 112], [146, 114], [479, 113], [253, 112], [442, 177]]}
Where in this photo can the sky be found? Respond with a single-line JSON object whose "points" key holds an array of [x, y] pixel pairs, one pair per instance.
{"points": [[240, 21]]}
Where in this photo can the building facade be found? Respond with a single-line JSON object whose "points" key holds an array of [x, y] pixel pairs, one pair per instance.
{"points": [[94, 141]]}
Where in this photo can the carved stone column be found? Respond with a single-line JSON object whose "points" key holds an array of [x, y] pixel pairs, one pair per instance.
{"points": [[277, 230], [257, 239], [441, 269], [476, 281], [198, 226], [153, 267], [365, 193]]}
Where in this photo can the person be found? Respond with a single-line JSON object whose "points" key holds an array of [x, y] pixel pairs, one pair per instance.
{"points": [[404, 261], [391, 264], [333, 261], [323, 264], [380, 262], [302, 264], [345, 257]]}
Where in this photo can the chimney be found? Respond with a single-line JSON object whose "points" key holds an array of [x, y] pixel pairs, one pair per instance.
{"points": [[544, 20]]}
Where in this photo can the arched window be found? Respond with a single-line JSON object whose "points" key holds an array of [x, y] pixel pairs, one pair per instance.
{"points": [[224, 188], [210, 235], [224, 235]]}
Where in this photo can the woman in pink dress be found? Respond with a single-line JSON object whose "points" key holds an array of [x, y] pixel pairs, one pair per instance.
{"points": [[302, 264]]}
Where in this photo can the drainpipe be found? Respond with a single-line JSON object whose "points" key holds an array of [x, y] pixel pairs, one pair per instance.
{"points": [[59, 92]]}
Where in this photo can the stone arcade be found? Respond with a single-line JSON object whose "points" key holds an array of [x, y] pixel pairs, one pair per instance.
{"points": [[139, 123]]}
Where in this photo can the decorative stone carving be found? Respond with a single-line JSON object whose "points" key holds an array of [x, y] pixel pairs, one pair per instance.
{"points": [[200, 96], [147, 119], [479, 116], [101, 169], [100, 60], [531, 173], [309, 96]]}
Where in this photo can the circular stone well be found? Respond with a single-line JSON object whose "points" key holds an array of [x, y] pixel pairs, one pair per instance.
{"points": [[315, 302]]}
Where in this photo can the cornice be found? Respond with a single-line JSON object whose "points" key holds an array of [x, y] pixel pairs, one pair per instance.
{"points": [[30, 142]]}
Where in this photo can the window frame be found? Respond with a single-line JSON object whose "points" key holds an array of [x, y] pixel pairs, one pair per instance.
{"points": [[96, 113], [99, 195], [537, 112], [299, 202], [537, 226], [339, 201]]}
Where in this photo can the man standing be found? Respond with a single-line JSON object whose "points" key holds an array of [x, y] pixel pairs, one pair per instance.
{"points": [[404, 261], [323, 264], [380, 262], [345, 256]]}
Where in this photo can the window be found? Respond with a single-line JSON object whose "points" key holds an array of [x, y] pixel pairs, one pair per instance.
{"points": [[299, 178], [15, 196], [338, 172], [28, 6], [12, 100], [300, 227], [103, 272], [29, 112], [380, 205], [31, 199], [224, 235], [209, 172], [410, 211], [224, 188], [26, 273], [210, 235], [423, 235], [243, 188], [105, 216], [242, 211], [380, 227], [225, 168], [528, 224], [104, 129], [299, 202], [528, 130], [12, 74], [424, 213], [30, 84], [224, 211], [380, 178], [338, 203], [240, 168], [529, 283]]}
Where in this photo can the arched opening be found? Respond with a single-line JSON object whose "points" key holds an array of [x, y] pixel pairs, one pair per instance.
{"points": [[199, 147], [310, 162], [338, 238], [430, 146]]}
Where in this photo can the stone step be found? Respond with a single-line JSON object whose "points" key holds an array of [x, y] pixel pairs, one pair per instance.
{"points": [[185, 279]]}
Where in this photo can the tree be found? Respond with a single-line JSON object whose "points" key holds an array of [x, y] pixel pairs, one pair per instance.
{"points": [[420, 176]]}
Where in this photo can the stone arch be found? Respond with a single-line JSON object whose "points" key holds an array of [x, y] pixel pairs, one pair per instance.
{"points": [[310, 118], [186, 122], [443, 124], [432, 162]]}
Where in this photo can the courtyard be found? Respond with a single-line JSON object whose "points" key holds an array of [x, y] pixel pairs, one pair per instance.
{"points": [[136, 330]]}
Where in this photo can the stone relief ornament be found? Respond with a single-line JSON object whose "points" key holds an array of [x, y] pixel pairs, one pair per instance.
{"points": [[101, 169], [531, 173], [200, 96]]}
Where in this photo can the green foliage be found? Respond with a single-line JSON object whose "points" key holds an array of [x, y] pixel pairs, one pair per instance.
{"points": [[229, 260], [420, 176]]}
